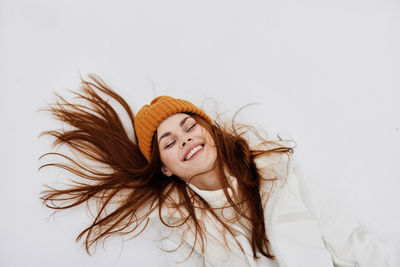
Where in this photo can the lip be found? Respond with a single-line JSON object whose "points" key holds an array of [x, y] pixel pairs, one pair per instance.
{"points": [[190, 149]]}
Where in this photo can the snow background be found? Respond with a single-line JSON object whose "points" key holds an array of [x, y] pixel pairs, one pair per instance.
{"points": [[326, 72]]}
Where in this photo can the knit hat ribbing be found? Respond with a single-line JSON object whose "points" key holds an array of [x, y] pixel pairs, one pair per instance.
{"points": [[149, 117]]}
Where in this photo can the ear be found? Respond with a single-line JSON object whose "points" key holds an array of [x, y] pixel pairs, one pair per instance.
{"points": [[165, 171]]}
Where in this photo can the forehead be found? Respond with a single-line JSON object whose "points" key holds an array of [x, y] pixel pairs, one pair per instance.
{"points": [[172, 122]]}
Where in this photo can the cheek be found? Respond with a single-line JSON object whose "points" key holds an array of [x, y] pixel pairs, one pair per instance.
{"points": [[205, 135], [167, 158], [210, 140], [163, 155], [212, 150]]}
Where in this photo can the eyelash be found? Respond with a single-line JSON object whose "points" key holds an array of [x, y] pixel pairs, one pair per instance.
{"points": [[188, 130], [191, 127]]}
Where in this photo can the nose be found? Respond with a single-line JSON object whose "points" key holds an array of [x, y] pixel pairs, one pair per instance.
{"points": [[185, 142]]}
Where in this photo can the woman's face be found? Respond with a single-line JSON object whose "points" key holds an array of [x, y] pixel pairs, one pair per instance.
{"points": [[186, 148]]}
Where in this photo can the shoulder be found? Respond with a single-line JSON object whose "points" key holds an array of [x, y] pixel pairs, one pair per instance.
{"points": [[276, 172], [275, 165], [277, 157]]}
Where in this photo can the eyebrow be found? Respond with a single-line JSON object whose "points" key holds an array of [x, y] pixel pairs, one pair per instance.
{"points": [[169, 133]]}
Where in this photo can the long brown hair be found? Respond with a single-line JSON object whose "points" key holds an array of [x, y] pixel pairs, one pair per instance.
{"points": [[126, 188]]}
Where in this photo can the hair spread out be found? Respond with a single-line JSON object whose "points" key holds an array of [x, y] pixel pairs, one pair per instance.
{"points": [[127, 189]]}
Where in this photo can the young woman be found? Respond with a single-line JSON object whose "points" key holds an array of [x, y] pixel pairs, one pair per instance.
{"points": [[212, 198]]}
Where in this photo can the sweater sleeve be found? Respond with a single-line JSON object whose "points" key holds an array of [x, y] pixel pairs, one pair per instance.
{"points": [[181, 256], [347, 242], [173, 247]]}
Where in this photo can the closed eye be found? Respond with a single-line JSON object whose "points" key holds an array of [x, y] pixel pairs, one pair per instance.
{"points": [[170, 144], [173, 142], [191, 127]]}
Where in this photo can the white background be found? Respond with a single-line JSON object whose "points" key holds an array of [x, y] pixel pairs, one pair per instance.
{"points": [[327, 72]]}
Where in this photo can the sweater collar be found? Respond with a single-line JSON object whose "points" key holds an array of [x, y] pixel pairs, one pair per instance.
{"points": [[216, 198]]}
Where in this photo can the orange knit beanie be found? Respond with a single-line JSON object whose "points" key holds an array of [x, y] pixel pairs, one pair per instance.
{"points": [[149, 117]]}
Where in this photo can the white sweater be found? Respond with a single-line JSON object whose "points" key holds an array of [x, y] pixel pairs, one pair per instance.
{"points": [[218, 201], [305, 229]]}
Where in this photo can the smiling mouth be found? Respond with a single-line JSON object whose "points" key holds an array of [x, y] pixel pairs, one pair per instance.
{"points": [[193, 151]]}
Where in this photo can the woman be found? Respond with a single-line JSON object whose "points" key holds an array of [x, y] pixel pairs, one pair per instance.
{"points": [[211, 198]]}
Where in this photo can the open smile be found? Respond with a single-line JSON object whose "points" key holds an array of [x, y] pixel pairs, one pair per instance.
{"points": [[193, 152]]}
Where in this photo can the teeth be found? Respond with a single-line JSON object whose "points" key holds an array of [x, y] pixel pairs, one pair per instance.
{"points": [[194, 150]]}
